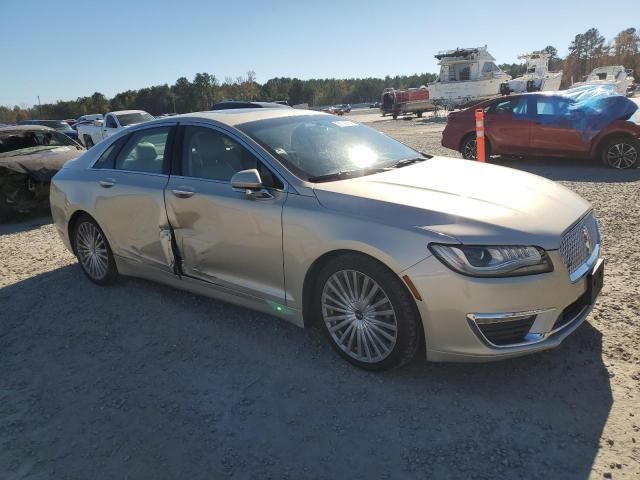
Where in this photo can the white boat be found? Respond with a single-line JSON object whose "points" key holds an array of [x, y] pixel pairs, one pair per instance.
{"points": [[466, 75], [615, 75], [537, 77]]}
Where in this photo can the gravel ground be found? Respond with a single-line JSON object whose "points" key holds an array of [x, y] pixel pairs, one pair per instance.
{"points": [[143, 381]]}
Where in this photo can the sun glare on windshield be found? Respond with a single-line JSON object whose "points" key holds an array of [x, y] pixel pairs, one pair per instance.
{"points": [[362, 156]]}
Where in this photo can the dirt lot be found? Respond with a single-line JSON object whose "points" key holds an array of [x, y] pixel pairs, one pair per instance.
{"points": [[142, 381]]}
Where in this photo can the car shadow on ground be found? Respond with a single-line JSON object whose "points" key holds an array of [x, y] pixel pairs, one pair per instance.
{"points": [[567, 169], [146, 381], [24, 223]]}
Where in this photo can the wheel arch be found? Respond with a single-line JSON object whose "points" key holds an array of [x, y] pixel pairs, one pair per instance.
{"points": [[310, 278], [596, 149], [71, 225]]}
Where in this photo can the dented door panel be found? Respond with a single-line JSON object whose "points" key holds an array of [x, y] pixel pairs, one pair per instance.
{"points": [[225, 238]]}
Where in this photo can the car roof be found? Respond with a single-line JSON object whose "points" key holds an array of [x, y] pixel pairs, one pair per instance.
{"points": [[25, 128], [237, 116], [235, 104], [124, 112]]}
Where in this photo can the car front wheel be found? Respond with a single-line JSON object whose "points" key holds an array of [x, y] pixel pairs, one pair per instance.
{"points": [[367, 314], [93, 251], [621, 153], [469, 149]]}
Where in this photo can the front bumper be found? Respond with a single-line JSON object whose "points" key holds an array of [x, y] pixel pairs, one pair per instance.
{"points": [[455, 310]]}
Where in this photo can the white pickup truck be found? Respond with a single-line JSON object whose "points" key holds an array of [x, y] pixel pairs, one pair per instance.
{"points": [[91, 133]]}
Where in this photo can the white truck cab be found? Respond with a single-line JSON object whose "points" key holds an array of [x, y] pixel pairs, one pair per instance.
{"points": [[92, 133]]}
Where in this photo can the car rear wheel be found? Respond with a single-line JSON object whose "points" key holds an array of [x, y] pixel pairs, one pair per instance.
{"points": [[367, 313], [621, 153], [469, 149], [93, 251]]}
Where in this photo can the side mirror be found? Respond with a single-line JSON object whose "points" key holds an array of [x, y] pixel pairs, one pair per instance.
{"points": [[246, 180], [250, 183]]}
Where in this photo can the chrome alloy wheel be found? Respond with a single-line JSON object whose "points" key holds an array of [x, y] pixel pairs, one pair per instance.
{"points": [[622, 155], [359, 316], [92, 250]]}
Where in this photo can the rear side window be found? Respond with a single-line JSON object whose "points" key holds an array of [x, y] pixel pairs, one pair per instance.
{"points": [[145, 151], [107, 158]]}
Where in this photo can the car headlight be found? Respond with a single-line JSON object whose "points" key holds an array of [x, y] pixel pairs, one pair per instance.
{"points": [[493, 261]]}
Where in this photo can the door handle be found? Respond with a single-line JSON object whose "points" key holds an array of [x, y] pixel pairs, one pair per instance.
{"points": [[183, 192], [107, 183]]}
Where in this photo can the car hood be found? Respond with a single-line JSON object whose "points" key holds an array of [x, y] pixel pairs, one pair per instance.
{"points": [[469, 202], [41, 165]]}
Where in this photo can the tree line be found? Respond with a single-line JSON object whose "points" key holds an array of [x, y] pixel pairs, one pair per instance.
{"points": [[587, 51]]}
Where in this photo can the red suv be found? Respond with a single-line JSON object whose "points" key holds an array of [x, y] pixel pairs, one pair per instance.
{"points": [[547, 124]]}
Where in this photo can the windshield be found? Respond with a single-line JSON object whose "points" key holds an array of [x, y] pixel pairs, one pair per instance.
{"points": [[25, 142], [57, 124], [320, 145], [131, 118]]}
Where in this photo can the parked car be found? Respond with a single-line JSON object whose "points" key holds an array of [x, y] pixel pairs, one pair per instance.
{"points": [[234, 104], [546, 124], [29, 156], [309, 218], [92, 133], [345, 107], [59, 125]]}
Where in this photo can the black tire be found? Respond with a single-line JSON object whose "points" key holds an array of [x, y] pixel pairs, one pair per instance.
{"points": [[110, 273], [88, 141], [622, 153], [409, 333], [468, 147], [395, 116], [419, 114]]}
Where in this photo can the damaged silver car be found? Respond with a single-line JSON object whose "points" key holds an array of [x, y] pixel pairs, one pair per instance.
{"points": [[30, 156]]}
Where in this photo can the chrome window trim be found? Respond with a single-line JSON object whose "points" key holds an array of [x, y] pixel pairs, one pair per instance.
{"points": [[137, 172], [225, 182]]}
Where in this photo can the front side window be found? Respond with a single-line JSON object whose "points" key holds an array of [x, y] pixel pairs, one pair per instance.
{"points": [[504, 106], [317, 145], [210, 155], [111, 122], [144, 151]]}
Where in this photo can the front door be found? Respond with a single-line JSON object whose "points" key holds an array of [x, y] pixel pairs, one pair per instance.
{"points": [[130, 177], [554, 131], [508, 127], [226, 237]]}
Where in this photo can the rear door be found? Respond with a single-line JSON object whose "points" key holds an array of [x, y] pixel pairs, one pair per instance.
{"points": [[554, 131], [508, 127], [130, 178], [226, 237]]}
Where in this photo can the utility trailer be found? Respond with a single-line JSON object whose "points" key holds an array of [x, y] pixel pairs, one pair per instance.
{"points": [[402, 102]]}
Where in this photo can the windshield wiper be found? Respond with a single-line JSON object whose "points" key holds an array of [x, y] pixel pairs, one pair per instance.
{"points": [[344, 174], [407, 161]]}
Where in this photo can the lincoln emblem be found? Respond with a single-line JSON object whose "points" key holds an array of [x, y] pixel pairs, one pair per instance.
{"points": [[587, 239]]}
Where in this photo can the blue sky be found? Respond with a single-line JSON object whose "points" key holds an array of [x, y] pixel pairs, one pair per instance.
{"points": [[65, 49]]}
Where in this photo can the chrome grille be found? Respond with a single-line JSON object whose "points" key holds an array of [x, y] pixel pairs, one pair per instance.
{"points": [[578, 244]]}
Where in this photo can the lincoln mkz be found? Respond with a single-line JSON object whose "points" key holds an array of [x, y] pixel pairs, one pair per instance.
{"points": [[310, 217]]}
